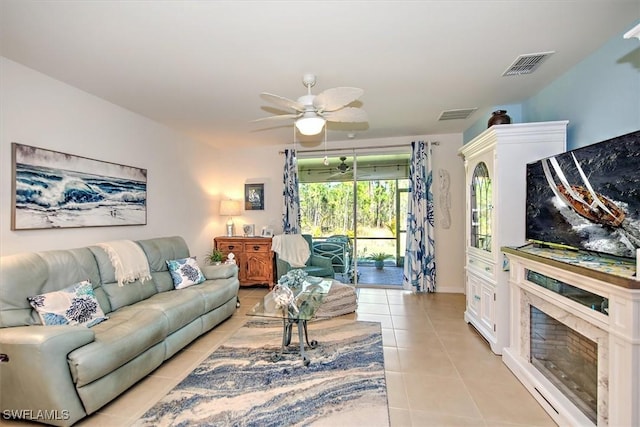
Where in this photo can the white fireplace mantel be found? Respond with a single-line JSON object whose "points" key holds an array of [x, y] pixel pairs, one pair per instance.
{"points": [[617, 335]]}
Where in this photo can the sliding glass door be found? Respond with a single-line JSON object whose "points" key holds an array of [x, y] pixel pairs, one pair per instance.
{"points": [[360, 199]]}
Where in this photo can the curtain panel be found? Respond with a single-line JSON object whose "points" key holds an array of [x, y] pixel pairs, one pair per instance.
{"points": [[291, 212], [420, 262]]}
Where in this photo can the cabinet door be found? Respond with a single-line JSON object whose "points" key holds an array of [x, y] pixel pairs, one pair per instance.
{"points": [[259, 261], [487, 306], [227, 246], [258, 267], [241, 260], [481, 206], [473, 295]]}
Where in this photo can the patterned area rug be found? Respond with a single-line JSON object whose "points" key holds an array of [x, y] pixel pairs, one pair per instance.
{"points": [[239, 385]]}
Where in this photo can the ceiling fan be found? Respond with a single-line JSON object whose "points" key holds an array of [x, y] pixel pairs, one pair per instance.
{"points": [[343, 169], [312, 111]]}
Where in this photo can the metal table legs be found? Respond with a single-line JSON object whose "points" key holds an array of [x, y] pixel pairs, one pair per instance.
{"points": [[286, 339]]}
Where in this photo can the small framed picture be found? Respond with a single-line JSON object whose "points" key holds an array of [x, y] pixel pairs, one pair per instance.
{"points": [[267, 232], [254, 197], [249, 230]]}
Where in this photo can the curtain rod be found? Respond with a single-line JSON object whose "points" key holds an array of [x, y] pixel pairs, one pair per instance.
{"points": [[322, 150]]}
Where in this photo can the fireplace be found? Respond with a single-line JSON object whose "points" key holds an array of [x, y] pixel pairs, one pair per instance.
{"points": [[575, 341], [566, 358]]}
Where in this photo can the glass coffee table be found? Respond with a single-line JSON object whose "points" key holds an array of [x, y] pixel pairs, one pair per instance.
{"points": [[307, 299]]}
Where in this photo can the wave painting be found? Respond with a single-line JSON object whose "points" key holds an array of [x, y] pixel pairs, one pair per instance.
{"points": [[58, 190]]}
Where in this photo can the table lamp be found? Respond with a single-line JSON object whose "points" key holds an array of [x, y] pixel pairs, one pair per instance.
{"points": [[230, 208]]}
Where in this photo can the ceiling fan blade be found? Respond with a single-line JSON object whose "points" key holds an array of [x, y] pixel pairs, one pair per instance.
{"points": [[345, 173], [336, 98], [347, 115], [282, 101], [280, 117]]}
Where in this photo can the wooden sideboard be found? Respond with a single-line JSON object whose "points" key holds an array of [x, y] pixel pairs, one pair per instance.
{"points": [[254, 257]]}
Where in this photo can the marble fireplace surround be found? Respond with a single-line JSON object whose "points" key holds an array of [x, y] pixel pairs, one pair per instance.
{"points": [[617, 337], [589, 330]]}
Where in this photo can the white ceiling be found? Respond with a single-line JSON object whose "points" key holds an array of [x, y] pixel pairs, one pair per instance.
{"points": [[199, 66]]}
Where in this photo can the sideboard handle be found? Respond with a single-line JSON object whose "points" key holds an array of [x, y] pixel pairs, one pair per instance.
{"points": [[255, 248], [231, 247]]}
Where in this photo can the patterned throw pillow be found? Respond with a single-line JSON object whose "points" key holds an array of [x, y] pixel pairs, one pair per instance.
{"points": [[74, 305], [185, 272]]}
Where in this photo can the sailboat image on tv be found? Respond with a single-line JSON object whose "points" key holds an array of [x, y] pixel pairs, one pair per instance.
{"points": [[583, 199]]}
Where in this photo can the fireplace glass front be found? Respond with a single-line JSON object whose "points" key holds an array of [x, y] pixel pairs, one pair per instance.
{"points": [[566, 358]]}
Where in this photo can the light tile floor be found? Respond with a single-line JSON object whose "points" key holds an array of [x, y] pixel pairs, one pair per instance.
{"points": [[439, 371]]}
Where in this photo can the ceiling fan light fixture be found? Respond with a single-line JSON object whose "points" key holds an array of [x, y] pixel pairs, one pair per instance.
{"points": [[310, 125]]}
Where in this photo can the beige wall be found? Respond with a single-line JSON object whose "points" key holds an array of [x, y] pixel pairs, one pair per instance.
{"points": [[186, 180], [40, 111]]}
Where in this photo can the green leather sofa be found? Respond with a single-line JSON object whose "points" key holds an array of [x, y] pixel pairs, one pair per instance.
{"points": [[60, 374]]}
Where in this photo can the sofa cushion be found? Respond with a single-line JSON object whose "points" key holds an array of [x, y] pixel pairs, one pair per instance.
{"points": [[185, 272], [120, 296], [74, 305], [214, 293], [29, 274], [131, 293], [158, 251], [161, 249], [128, 333], [178, 306]]}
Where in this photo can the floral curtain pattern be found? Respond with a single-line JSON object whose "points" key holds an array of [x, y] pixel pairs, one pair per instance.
{"points": [[291, 213], [420, 261]]}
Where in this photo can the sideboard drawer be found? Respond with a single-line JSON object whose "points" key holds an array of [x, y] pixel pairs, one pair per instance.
{"points": [[230, 247], [257, 247]]}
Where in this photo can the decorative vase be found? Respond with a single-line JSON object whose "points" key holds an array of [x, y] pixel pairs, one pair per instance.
{"points": [[499, 117], [379, 264]]}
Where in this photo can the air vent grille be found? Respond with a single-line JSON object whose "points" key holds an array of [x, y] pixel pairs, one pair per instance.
{"points": [[526, 64], [457, 114]]}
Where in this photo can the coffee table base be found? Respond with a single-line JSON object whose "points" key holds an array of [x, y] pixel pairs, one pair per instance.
{"points": [[287, 326]]}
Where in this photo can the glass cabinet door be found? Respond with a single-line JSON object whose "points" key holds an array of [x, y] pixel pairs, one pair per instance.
{"points": [[481, 208]]}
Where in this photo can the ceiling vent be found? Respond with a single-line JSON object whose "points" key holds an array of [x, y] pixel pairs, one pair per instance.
{"points": [[527, 64], [456, 114]]}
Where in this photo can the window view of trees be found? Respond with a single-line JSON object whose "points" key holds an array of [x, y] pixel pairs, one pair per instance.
{"points": [[327, 209], [328, 195]]}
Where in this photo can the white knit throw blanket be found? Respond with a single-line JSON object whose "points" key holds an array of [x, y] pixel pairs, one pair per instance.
{"points": [[292, 248], [128, 260]]}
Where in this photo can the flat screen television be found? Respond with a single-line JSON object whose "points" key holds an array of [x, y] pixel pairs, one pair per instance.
{"points": [[587, 198]]}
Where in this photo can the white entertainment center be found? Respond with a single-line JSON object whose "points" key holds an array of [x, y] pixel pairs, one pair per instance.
{"points": [[495, 166]]}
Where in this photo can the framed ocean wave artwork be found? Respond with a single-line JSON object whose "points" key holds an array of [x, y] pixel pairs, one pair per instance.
{"points": [[58, 190]]}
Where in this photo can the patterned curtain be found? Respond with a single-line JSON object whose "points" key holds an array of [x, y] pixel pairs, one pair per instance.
{"points": [[291, 214], [420, 258]]}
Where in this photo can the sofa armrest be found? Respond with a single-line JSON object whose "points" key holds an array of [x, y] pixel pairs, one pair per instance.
{"points": [[222, 271], [282, 268], [321, 261], [35, 376]]}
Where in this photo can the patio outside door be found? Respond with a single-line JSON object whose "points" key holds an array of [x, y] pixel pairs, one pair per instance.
{"points": [[363, 197]]}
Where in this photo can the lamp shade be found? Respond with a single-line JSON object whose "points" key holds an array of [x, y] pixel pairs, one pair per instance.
{"points": [[310, 125], [229, 207]]}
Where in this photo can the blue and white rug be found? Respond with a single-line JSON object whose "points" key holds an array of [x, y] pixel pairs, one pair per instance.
{"points": [[239, 385]]}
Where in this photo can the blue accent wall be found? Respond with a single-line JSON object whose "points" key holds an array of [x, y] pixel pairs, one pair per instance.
{"points": [[600, 96]]}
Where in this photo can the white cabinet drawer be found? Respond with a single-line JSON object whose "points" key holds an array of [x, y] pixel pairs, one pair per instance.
{"points": [[481, 266]]}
